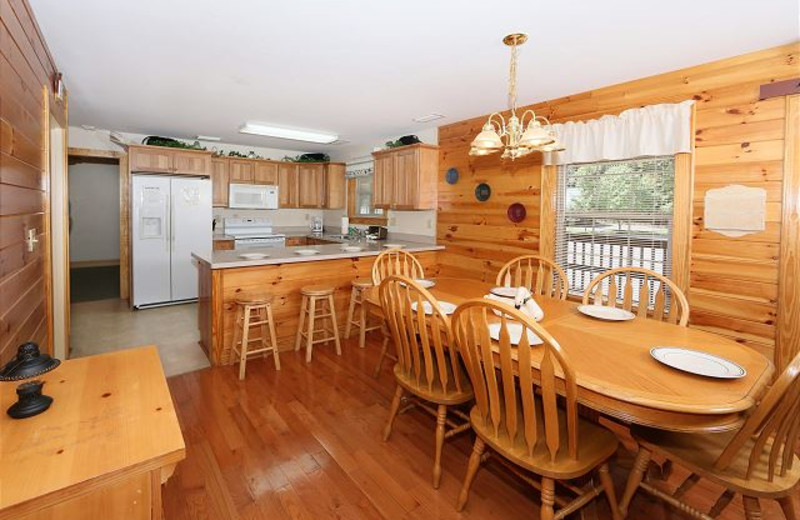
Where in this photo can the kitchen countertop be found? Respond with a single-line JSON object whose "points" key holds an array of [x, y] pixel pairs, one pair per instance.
{"points": [[285, 255]]}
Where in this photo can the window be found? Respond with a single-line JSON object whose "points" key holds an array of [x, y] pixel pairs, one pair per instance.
{"points": [[359, 198], [614, 214]]}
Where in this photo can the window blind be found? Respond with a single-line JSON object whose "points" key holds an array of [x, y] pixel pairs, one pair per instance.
{"points": [[615, 214]]}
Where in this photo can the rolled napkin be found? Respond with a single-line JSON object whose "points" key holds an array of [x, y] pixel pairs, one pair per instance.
{"points": [[524, 302]]}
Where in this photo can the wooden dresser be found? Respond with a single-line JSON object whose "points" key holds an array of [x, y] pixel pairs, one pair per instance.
{"points": [[102, 450]]}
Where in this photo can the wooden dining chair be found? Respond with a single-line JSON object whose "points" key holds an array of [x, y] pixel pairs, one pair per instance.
{"points": [[541, 276], [389, 262], [426, 368], [757, 461], [624, 286], [519, 413]]}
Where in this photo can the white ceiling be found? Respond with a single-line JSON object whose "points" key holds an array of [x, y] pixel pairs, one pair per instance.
{"points": [[365, 68]]}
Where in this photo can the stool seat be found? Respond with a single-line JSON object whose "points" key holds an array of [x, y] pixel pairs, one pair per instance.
{"points": [[245, 298], [362, 283], [317, 290]]}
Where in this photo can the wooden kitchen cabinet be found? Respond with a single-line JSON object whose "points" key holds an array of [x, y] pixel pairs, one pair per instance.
{"points": [[311, 185], [406, 177], [222, 244], [159, 159], [296, 241], [191, 163], [288, 194], [335, 186], [265, 172], [241, 171], [220, 179], [150, 159]]}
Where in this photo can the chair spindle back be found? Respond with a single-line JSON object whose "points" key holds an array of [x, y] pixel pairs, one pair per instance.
{"points": [[775, 419], [669, 302], [396, 261], [421, 339], [541, 276], [503, 394]]}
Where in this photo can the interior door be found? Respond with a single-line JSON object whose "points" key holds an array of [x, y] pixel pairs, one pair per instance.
{"points": [[150, 232], [190, 233]]}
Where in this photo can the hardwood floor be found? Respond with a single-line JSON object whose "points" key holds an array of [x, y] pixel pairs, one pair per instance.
{"points": [[305, 444]]}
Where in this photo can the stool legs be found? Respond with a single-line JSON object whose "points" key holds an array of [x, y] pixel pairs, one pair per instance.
{"points": [[273, 338], [245, 342], [310, 334], [351, 312], [334, 325], [301, 322]]}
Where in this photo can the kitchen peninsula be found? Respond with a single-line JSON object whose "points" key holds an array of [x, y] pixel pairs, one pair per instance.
{"points": [[281, 275]]}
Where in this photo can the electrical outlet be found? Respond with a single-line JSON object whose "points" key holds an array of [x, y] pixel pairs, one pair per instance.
{"points": [[392, 221], [430, 223]]}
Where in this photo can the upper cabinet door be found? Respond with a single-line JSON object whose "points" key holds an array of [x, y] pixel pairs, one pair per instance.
{"points": [[150, 159], [383, 191], [191, 163], [311, 185], [406, 178], [335, 186], [265, 173], [241, 171], [219, 182], [288, 195]]}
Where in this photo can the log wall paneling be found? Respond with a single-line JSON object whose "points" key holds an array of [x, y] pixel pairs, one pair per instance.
{"points": [[26, 71], [789, 295], [733, 282], [218, 289]]}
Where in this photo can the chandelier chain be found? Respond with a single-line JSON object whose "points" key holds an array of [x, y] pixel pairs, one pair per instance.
{"points": [[512, 79]]}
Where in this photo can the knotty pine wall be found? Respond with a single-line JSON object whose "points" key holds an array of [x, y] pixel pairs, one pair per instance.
{"points": [[734, 284], [26, 72]]}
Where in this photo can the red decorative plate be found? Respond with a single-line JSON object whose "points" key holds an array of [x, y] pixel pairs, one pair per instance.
{"points": [[516, 213]]}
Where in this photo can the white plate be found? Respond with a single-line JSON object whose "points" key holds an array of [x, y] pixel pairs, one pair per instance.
{"points": [[603, 312], [446, 307], [425, 283], [504, 292], [306, 252], [697, 362], [254, 256], [515, 333], [393, 246], [351, 249]]}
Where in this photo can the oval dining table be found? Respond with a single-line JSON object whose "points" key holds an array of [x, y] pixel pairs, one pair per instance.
{"points": [[617, 376]]}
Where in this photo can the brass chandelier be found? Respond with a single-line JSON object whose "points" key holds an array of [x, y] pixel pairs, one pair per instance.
{"points": [[512, 136]]}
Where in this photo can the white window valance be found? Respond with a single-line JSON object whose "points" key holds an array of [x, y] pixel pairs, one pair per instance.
{"points": [[653, 130], [358, 169]]}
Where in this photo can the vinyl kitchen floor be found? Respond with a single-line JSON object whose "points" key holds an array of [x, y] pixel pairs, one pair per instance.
{"points": [[108, 325]]}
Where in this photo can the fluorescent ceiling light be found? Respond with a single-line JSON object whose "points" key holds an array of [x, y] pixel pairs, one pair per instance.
{"points": [[310, 136], [208, 138], [427, 118]]}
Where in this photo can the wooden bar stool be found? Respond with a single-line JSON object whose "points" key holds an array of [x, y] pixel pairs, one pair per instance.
{"points": [[357, 299], [312, 295], [254, 311]]}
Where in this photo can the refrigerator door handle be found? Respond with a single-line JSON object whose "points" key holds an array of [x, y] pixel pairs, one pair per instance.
{"points": [[172, 231], [168, 223]]}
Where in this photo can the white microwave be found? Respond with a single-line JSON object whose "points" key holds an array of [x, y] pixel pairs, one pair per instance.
{"points": [[252, 196]]}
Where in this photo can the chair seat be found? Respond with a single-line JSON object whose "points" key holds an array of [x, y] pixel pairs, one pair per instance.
{"points": [[317, 290], [362, 283], [699, 452], [245, 298], [436, 394], [595, 445]]}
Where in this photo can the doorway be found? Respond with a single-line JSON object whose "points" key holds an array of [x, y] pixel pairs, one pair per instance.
{"points": [[94, 228]]}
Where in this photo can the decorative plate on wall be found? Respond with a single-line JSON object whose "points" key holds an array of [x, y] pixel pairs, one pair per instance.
{"points": [[483, 192], [451, 176], [516, 213]]}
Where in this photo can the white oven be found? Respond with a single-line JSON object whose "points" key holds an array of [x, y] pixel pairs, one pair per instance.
{"points": [[252, 196]]}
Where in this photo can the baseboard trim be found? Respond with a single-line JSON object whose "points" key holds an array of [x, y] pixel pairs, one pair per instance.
{"points": [[93, 263]]}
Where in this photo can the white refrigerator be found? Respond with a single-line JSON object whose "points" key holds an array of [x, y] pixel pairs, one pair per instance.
{"points": [[171, 220]]}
